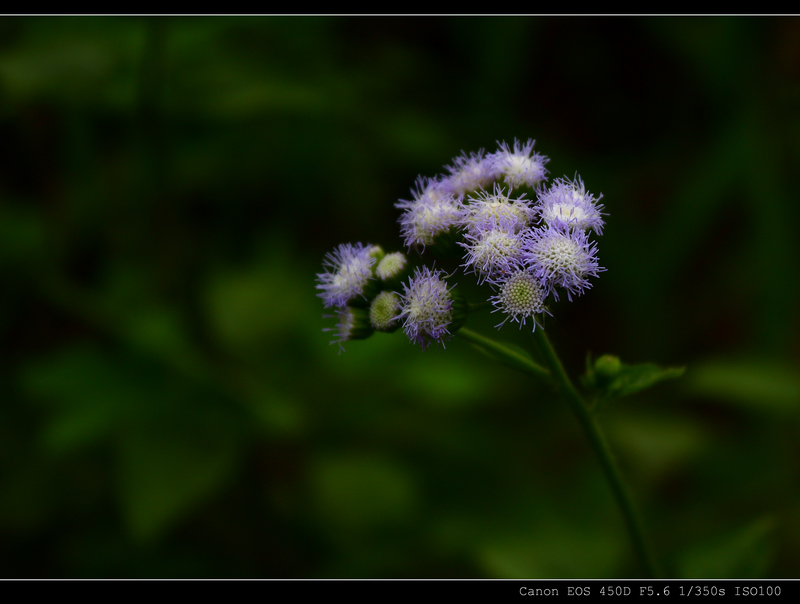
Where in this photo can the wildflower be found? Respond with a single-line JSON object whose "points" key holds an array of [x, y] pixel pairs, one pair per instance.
{"points": [[564, 259], [431, 213], [468, 173], [383, 312], [487, 210], [490, 252], [353, 324], [430, 310], [520, 297], [519, 166], [349, 269], [567, 204]]}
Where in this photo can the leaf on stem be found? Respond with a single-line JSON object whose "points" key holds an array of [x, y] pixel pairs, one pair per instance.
{"points": [[609, 378]]}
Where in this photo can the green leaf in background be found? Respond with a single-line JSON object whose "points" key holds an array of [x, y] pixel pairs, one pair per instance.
{"points": [[550, 549], [655, 442], [355, 493], [528, 532], [745, 552], [176, 443], [166, 475], [73, 60], [752, 383], [609, 378], [87, 394]]}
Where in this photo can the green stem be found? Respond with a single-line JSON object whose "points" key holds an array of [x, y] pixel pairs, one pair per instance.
{"points": [[505, 354], [592, 429]]}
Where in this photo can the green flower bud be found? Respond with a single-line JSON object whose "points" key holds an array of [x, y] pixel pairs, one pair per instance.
{"points": [[393, 269], [606, 368], [384, 311]]}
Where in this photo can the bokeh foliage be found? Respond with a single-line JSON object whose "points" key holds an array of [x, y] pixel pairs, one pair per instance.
{"points": [[169, 406]]}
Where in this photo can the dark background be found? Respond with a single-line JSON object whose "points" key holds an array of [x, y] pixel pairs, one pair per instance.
{"points": [[169, 403]]}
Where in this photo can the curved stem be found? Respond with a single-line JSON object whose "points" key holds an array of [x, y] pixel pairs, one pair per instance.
{"points": [[505, 354], [592, 429]]}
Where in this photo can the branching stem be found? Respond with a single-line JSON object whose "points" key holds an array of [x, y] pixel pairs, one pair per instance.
{"points": [[554, 372]]}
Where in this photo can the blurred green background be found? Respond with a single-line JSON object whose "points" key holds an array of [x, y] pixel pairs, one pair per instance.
{"points": [[169, 403]]}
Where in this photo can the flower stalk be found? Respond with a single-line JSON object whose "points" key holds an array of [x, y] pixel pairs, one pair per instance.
{"points": [[528, 252], [588, 422], [504, 354]]}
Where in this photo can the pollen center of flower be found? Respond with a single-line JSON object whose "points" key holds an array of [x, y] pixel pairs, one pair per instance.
{"points": [[520, 298], [568, 212], [428, 309], [562, 255], [495, 211], [431, 220], [518, 164], [493, 250], [498, 243], [521, 295]]}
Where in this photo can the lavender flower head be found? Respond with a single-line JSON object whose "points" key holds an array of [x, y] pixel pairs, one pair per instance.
{"points": [[348, 270], [468, 173], [491, 251], [567, 204], [433, 211], [561, 259], [487, 210], [427, 307], [520, 297], [519, 166]]}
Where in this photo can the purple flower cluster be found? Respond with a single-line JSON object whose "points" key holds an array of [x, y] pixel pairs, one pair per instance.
{"points": [[527, 249], [509, 241]]}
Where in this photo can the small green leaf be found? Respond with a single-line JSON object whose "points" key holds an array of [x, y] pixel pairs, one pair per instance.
{"points": [[609, 378]]}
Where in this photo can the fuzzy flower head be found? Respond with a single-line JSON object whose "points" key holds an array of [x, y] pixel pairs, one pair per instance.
{"points": [[491, 252], [561, 259], [348, 270], [520, 297], [431, 212], [567, 204], [468, 173], [487, 210], [519, 166], [427, 307]]}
